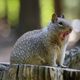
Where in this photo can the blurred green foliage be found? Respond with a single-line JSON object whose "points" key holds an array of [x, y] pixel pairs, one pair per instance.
{"points": [[71, 8], [2, 8], [11, 9], [46, 11]]}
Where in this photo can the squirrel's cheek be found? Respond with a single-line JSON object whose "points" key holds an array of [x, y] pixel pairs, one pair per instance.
{"points": [[63, 35]]}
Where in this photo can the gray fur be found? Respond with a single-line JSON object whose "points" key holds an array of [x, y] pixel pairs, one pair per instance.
{"points": [[37, 46]]}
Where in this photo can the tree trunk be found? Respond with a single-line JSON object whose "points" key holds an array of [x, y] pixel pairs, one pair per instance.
{"points": [[58, 7], [29, 16]]}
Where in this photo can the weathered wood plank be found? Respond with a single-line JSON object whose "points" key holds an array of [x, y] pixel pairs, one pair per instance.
{"points": [[35, 72]]}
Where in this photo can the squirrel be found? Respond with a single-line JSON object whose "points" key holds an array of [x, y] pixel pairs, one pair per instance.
{"points": [[43, 46]]}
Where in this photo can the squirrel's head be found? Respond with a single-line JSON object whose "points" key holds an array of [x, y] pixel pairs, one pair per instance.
{"points": [[58, 26]]}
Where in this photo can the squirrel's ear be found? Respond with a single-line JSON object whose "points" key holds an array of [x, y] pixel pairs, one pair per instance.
{"points": [[54, 18], [62, 16]]}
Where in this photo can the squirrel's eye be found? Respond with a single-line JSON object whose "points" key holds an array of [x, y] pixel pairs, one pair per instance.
{"points": [[60, 23]]}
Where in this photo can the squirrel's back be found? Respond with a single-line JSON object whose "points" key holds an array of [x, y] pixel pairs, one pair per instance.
{"points": [[30, 48]]}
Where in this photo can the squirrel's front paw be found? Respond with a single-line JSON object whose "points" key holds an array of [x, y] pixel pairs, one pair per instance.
{"points": [[55, 65], [63, 66]]}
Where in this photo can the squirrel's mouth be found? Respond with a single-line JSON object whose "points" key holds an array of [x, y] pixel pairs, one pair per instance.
{"points": [[64, 34]]}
